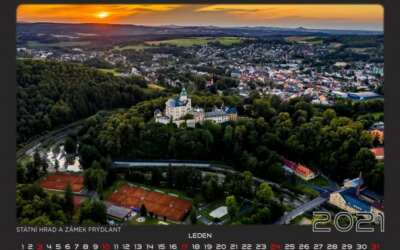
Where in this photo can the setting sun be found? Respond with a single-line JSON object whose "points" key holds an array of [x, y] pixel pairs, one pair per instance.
{"points": [[102, 14]]}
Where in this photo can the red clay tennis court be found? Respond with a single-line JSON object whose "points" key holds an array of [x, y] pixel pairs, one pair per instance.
{"points": [[59, 181], [162, 205]]}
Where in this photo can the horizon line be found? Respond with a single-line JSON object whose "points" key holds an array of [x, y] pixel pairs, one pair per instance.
{"points": [[199, 25]]}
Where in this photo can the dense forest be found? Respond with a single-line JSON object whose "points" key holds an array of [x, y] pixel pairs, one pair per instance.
{"points": [[52, 94], [38, 207], [332, 140]]}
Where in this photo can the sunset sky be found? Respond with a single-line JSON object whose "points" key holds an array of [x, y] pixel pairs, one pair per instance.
{"points": [[362, 17]]}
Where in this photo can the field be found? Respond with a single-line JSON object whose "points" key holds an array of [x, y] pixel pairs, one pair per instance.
{"points": [[34, 44], [155, 86], [188, 42], [136, 47], [229, 40], [59, 181], [112, 71], [304, 39], [181, 42]]}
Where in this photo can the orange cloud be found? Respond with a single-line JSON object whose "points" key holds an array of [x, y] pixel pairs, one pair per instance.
{"points": [[80, 13]]}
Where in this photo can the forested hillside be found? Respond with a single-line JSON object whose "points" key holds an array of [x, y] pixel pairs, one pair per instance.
{"points": [[333, 142], [52, 94]]}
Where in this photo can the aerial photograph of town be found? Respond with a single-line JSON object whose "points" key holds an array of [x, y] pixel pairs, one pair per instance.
{"points": [[198, 114]]}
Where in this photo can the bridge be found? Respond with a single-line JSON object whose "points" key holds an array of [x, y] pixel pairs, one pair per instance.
{"points": [[286, 218]]}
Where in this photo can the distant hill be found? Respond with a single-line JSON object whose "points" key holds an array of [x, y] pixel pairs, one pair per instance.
{"points": [[110, 33]]}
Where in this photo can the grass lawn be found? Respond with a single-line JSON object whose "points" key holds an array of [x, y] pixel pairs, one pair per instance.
{"points": [[149, 221], [35, 44], [54, 192], [228, 40], [300, 188], [304, 39], [112, 71], [182, 42], [155, 86], [319, 181]]}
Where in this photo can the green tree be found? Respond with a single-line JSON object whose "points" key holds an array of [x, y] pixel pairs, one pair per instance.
{"points": [[143, 210], [70, 145], [93, 211], [364, 161], [248, 184], [264, 193], [193, 216], [156, 176], [21, 173], [68, 201], [56, 165], [232, 206], [95, 179]]}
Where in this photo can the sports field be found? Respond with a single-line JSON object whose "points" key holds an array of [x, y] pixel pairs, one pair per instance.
{"points": [[59, 181], [160, 204]]}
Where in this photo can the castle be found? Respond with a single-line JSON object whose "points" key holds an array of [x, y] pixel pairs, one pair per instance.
{"points": [[179, 111]]}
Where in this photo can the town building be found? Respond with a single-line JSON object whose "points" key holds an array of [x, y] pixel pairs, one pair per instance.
{"points": [[379, 153], [299, 170], [179, 111], [379, 126], [354, 199], [366, 95], [118, 213]]}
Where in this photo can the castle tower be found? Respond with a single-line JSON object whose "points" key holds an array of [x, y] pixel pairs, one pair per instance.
{"points": [[183, 95]]}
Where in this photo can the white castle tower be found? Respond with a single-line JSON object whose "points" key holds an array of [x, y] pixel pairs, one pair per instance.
{"points": [[176, 108]]}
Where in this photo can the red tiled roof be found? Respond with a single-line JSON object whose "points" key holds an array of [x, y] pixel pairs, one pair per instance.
{"points": [[378, 152], [303, 170], [298, 168]]}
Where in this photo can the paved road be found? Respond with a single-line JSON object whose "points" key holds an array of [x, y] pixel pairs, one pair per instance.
{"points": [[55, 135], [285, 219]]}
